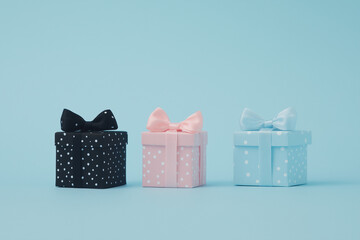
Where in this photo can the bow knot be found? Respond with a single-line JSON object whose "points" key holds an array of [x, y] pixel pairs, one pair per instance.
{"points": [[72, 122], [159, 122], [285, 120], [268, 124], [174, 126]]}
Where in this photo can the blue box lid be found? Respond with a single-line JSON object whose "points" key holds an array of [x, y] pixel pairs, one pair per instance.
{"points": [[279, 138]]}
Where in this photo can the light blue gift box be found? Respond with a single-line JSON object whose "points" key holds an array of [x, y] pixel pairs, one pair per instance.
{"points": [[271, 157]]}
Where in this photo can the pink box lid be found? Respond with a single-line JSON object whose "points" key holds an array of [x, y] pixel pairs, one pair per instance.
{"points": [[184, 139]]}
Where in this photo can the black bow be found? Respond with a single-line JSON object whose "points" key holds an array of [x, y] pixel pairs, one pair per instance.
{"points": [[71, 122]]}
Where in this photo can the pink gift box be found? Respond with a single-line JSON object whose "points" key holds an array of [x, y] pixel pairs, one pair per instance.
{"points": [[174, 159]]}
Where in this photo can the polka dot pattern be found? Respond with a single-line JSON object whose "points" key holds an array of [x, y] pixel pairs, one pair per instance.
{"points": [[91, 159], [154, 166], [289, 165]]}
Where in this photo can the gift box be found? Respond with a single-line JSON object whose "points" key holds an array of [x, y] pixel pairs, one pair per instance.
{"points": [[89, 156], [174, 154], [270, 153]]}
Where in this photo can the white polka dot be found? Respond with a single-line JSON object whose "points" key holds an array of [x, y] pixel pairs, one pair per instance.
{"points": [[187, 155], [182, 159], [162, 171], [149, 162], [246, 152], [148, 171], [187, 173], [158, 183], [186, 185], [278, 181], [257, 180], [154, 156], [248, 174], [148, 181], [162, 163], [286, 161], [181, 179], [245, 142], [144, 166], [246, 161], [285, 174], [159, 151], [182, 148], [278, 168], [157, 176], [187, 164]]}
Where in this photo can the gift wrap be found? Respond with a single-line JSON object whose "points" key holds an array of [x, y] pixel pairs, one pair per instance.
{"points": [[172, 157], [91, 159], [272, 152], [271, 158]]}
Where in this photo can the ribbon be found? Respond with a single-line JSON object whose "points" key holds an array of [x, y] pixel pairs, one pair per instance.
{"points": [[202, 160], [283, 121], [159, 122], [72, 122], [77, 163]]}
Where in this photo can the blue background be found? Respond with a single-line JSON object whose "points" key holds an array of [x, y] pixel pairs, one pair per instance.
{"points": [[213, 56]]}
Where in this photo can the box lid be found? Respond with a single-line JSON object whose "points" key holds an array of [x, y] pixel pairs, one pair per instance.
{"points": [[184, 139], [91, 139], [279, 138]]}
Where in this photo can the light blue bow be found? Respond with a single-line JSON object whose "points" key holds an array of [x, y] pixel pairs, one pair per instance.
{"points": [[285, 120]]}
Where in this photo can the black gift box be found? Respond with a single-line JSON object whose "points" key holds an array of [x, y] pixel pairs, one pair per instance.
{"points": [[91, 159]]}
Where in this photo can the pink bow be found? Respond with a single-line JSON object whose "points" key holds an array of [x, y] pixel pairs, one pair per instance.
{"points": [[159, 122]]}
